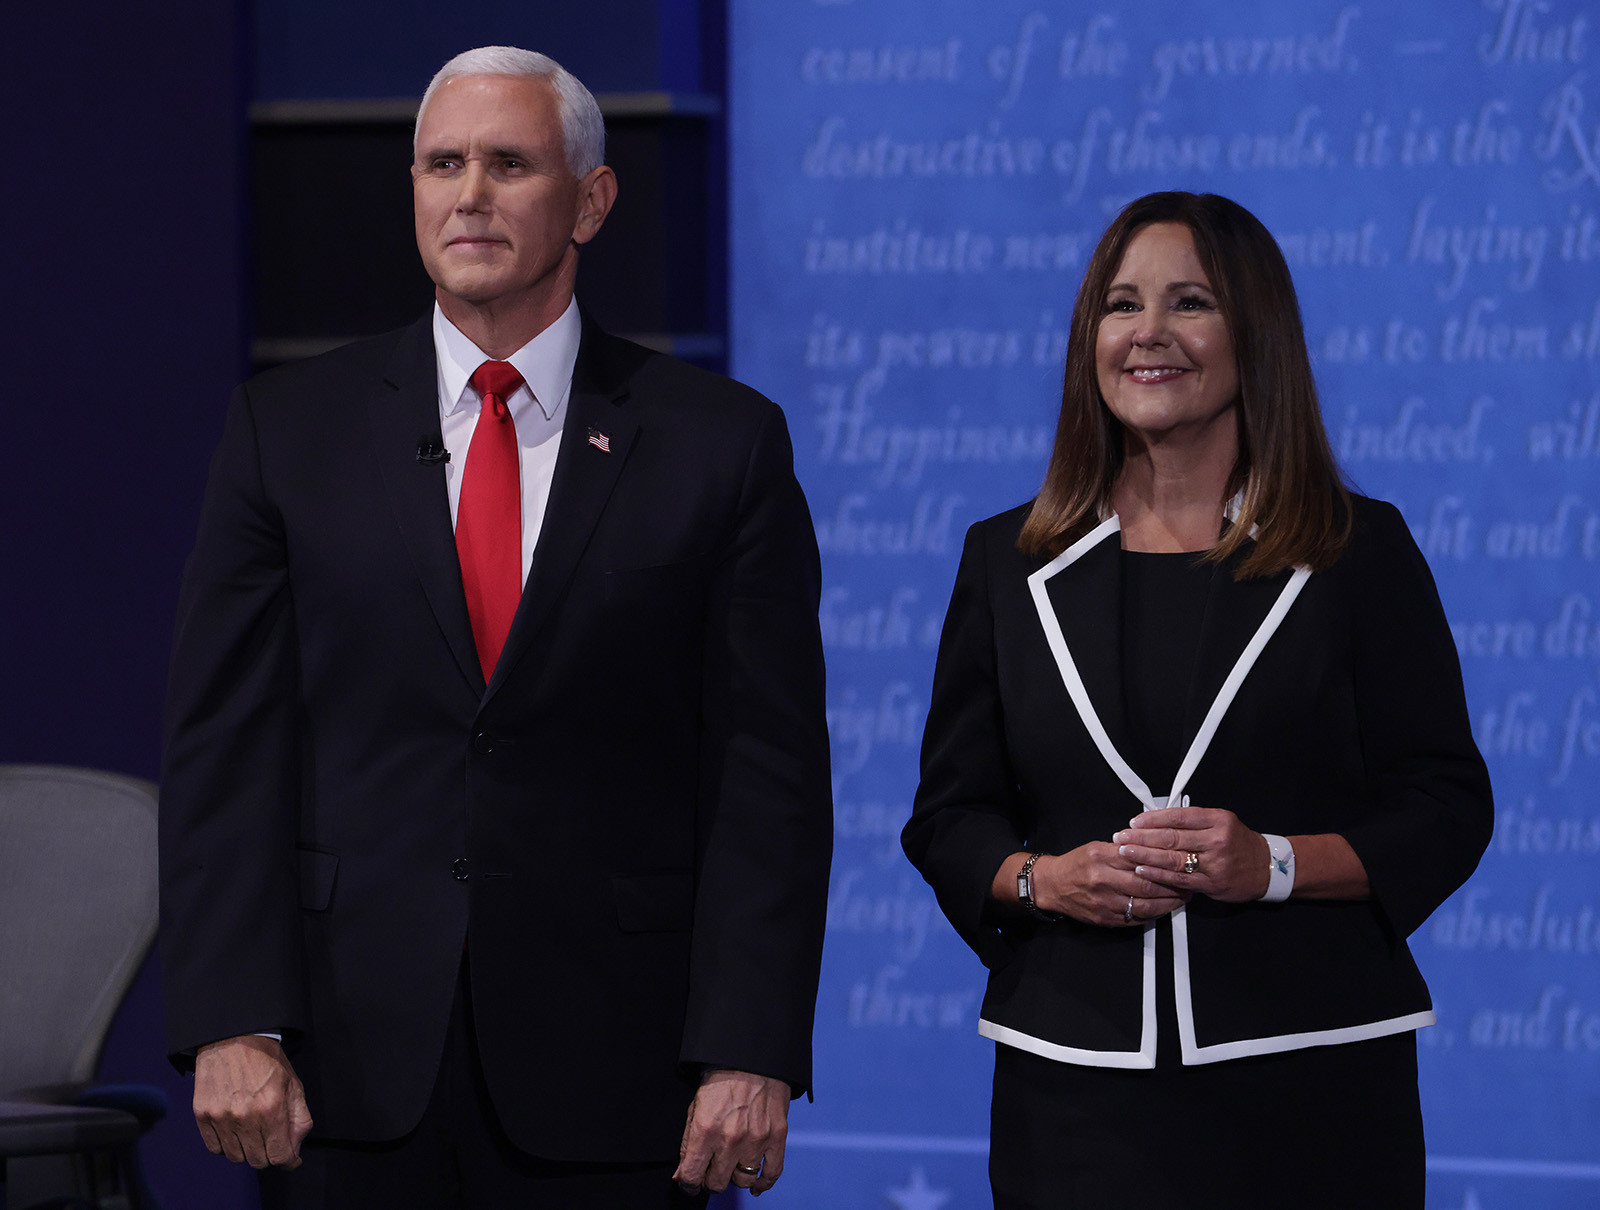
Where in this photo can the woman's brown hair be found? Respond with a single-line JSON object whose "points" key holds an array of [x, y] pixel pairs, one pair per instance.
{"points": [[1290, 489]]}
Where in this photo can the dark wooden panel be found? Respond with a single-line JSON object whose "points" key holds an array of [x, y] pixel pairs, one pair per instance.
{"points": [[335, 251]]}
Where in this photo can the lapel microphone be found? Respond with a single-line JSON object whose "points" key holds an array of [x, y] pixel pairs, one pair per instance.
{"points": [[431, 451]]}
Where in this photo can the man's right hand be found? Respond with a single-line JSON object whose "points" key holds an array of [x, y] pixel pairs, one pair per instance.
{"points": [[248, 1102]]}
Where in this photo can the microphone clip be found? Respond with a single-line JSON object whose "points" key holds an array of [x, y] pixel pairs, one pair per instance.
{"points": [[431, 451]]}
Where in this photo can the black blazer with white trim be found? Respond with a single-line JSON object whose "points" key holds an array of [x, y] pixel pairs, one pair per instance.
{"points": [[1327, 702]]}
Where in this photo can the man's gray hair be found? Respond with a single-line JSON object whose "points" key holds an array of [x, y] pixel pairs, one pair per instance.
{"points": [[583, 131]]}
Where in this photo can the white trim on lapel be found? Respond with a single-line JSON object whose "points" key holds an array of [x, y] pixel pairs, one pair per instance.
{"points": [[1145, 1056], [1230, 687], [1069, 669], [1191, 761]]}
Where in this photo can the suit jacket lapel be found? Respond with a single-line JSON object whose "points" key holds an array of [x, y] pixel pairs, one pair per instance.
{"points": [[1234, 612], [1079, 600], [1240, 619], [403, 412], [1087, 598], [584, 476]]}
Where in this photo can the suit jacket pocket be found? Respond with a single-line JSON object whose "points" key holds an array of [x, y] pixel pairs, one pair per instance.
{"points": [[317, 873], [658, 902]]}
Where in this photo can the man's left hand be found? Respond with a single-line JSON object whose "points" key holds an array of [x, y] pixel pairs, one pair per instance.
{"points": [[736, 1131]]}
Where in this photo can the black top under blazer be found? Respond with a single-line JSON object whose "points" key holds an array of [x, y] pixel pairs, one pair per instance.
{"points": [[630, 821], [1327, 702]]}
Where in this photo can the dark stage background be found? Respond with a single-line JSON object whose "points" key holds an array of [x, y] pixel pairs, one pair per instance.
{"points": [[202, 187]]}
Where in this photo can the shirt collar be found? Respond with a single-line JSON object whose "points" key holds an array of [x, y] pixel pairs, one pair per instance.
{"points": [[545, 362]]}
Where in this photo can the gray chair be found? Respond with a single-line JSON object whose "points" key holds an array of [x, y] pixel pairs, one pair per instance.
{"points": [[77, 916]]}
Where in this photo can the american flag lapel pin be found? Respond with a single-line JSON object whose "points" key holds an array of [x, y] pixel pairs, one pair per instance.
{"points": [[600, 441]]}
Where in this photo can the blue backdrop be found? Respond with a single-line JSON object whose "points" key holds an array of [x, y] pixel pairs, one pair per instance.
{"points": [[917, 186]]}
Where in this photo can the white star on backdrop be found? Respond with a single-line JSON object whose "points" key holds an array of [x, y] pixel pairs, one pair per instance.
{"points": [[918, 1194]]}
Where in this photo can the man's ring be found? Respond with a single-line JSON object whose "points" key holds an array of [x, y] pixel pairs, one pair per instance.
{"points": [[748, 1170], [1191, 863], [1127, 912]]}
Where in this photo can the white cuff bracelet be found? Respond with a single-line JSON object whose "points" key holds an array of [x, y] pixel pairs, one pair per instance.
{"points": [[1280, 869]]}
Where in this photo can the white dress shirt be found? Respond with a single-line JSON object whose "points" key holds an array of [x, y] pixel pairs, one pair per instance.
{"points": [[538, 408]]}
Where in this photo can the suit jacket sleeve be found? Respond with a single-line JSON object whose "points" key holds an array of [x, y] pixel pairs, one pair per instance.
{"points": [[229, 899], [968, 817], [765, 818], [1433, 809]]}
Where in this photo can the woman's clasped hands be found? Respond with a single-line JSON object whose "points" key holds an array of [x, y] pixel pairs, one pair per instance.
{"points": [[1196, 851], [1153, 867]]}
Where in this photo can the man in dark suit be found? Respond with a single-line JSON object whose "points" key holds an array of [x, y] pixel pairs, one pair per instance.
{"points": [[495, 813]]}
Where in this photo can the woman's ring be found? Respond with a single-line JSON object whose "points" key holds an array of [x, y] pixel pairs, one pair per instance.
{"points": [[1127, 912], [1191, 863], [748, 1170]]}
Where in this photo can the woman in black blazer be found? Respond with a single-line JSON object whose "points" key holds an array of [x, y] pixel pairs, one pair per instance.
{"points": [[1197, 761]]}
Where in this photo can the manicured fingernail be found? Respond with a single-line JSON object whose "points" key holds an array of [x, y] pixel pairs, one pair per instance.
{"points": [[1122, 850], [1119, 837], [1139, 869]]}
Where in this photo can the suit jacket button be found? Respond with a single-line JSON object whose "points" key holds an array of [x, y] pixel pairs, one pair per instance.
{"points": [[481, 742], [458, 867]]}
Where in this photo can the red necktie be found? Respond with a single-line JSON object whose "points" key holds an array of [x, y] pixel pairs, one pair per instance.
{"points": [[489, 514]]}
